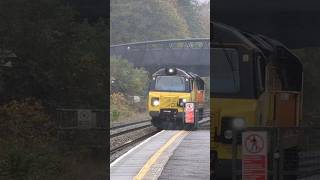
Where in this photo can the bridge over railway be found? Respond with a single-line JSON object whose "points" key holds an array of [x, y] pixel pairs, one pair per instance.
{"points": [[189, 54]]}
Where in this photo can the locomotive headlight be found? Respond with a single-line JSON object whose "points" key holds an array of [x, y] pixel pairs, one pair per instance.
{"points": [[155, 101], [182, 102], [171, 71], [238, 123], [227, 134]]}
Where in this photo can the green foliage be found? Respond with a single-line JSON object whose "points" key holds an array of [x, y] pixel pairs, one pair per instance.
{"points": [[191, 11], [119, 106], [88, 75], [144, 20], [205, 18], [60, 61], [128, 80], [29, 149], [39, 33], [24, 120], [25, 137], [18, 163]]}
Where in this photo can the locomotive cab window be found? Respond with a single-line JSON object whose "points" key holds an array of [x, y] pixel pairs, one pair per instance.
{"points": [[200, 84], [170, 83], [225, 71]]}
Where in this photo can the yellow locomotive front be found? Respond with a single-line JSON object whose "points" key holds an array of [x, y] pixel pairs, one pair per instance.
{"points": [[170, 90], [255, 82]]}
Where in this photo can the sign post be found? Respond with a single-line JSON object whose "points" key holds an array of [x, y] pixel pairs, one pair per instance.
{"points": [[254, 155]]}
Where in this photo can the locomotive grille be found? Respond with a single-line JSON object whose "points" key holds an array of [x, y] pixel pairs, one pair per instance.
{"points": [[168, 102]]}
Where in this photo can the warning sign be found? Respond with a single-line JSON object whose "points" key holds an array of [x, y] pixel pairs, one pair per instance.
{"points": [[189, 106], [189, 113], [254, 155], [254, 143]]}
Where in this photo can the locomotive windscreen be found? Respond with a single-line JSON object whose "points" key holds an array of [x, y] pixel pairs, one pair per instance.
{"points": [[170, 83], [225, 76]]}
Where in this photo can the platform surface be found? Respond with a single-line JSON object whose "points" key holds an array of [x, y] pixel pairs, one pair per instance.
{"points": [[191, 159], [128, 166], [186, 158]]}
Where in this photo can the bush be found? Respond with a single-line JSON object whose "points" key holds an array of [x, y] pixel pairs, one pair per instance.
{"points": [[24, 122], [25, 151], [119, 106], [126, 82], [128, 79]]}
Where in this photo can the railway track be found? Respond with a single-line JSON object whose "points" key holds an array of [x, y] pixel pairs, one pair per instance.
{"points": [[206, 113], [119, 133], [129, 124], [132, 142], [127, 131]]}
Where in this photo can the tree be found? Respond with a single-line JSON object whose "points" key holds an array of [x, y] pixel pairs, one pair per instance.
{"points": [[195, 16], [60, 60], [40, 34], [145, 20], [127, 79], [205, 18], [89, 68]]}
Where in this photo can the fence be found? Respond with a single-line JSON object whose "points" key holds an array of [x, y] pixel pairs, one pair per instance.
{"points": [[81, 118], [86, 127], [292, 153]]}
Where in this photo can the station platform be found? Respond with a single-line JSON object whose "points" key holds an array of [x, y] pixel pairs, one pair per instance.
{"points": [[166, 155], [191, 159]]}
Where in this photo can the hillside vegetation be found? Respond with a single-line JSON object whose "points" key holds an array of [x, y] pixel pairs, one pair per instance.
{"points": [[53, 59], [146, 20]]}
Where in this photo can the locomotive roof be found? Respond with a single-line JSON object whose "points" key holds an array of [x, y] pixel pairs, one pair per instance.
{"points": [[180, 72], [227, 34]]}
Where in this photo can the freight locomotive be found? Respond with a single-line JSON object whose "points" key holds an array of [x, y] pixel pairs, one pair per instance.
{"points": [[171, 90], [255, 82]]}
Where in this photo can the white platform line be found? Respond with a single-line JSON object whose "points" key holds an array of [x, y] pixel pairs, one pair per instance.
{"points": [[134, 148]]}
